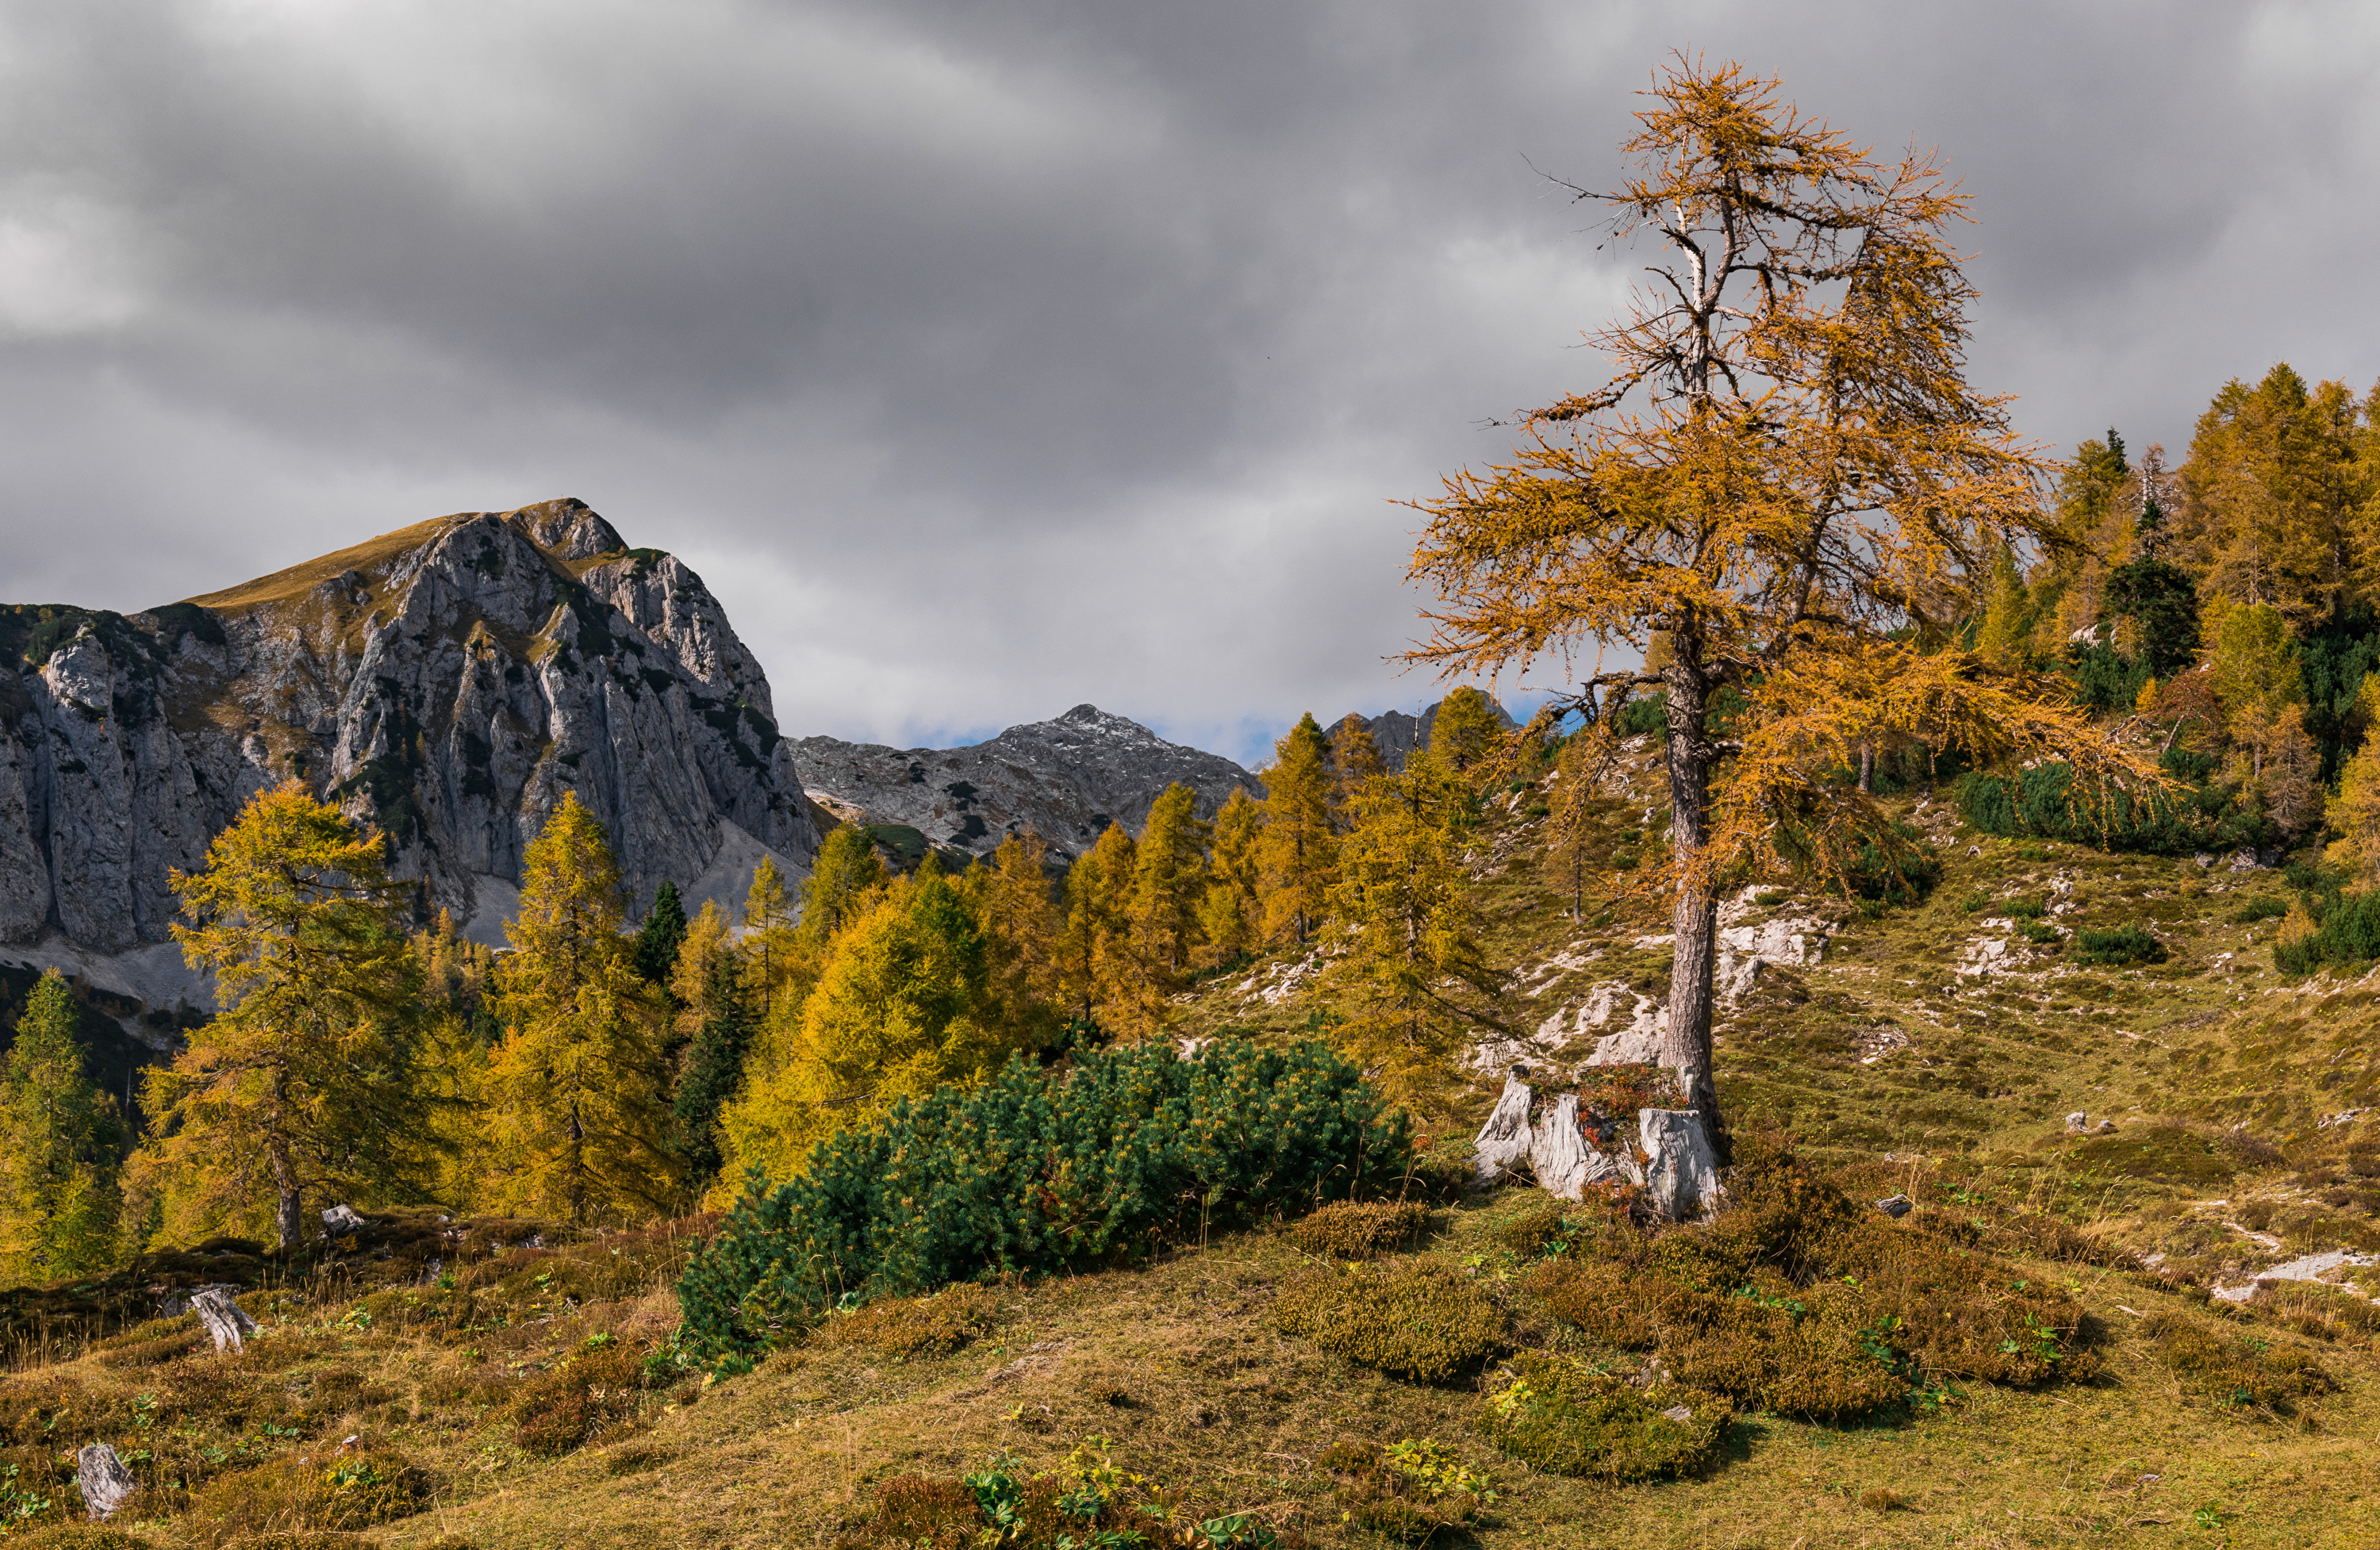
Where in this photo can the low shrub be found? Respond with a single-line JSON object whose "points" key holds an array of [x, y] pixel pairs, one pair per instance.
{"points": [[1603, 1300], [1408, 1490], [1084, 1501], [159, 1340], [1419, 1319], [82, 1536], [590, 1394], [1033, 1172], [2236, 1369], [1823, 1359], [1535, 1233], [1356, 1229], [905, 1326], [2123, 945], [2325, 1312], [2254, 910], [1566, 1418], [297, 1494]]}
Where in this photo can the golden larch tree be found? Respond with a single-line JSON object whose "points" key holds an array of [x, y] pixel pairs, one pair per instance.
{"points": [[1297, 851], [307, 1080], [1168, 880], [578, 1113], [1230, 910], [1789, 480]]}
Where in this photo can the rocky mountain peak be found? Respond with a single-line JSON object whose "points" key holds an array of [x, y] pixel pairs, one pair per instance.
{"points": [[449, 681], [1067, 778]]}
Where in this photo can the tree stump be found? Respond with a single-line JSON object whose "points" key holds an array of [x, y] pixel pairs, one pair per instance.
{"points": [[1556, 1153], [1505, 1139], [1682, 1175], [224, 1318], [104, 1479], [340, 1220]]}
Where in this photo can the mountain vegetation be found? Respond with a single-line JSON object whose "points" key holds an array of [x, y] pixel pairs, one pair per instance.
{"points": [[1995, 844]]}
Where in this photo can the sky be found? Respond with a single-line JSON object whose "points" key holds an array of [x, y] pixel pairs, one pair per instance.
{"points": [[987, 359]]}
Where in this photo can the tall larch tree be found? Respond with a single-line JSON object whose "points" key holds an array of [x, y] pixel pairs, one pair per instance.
{"points": [[1411, 978], [1102, 954], [1168, 880], [2277, 498], [1297, 851], [1466, 728], [1789, 480], [1355, 758], [1020, 912], [770, 950], [309, 1080], [718, 1023], [61, 1140], [1231, 912], [909, 1000], [579, 1110]]}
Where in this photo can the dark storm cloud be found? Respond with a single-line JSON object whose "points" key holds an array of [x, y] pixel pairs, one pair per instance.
{"points": [[990, 359]]}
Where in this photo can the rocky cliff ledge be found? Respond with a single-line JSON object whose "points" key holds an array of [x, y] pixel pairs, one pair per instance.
{"points": [[448, 682]]}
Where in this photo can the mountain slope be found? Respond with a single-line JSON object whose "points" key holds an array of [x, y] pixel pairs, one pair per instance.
{"points": [[449, 681], [1067, 778]]}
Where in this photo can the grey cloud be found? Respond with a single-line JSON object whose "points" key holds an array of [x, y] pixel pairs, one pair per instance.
{"points": [[987, 359]]}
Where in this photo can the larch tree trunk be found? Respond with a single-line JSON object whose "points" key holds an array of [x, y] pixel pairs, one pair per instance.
{"points": [[1686, 1045]]}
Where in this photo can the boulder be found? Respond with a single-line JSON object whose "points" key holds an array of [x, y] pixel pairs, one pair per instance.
{"points": [[1681, 1173], [1896, 1206], [104, 1479], [224, 1318], [340, 1220], [1505, 1139]]}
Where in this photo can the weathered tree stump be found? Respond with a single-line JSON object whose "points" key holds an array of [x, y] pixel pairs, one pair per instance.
{"points": [[340, 1220], [104, 1479], [224, 1318], [1556, 1153], [1681, 1173], [1505, 1139]]}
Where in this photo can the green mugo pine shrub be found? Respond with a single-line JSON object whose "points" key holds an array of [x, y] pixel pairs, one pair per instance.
{"points": [[2123, 945], [1034, 1172], [2043, 803], [2347, 930]]}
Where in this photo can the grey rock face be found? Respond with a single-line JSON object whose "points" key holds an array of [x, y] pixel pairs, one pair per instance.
{"points": [[1068, 779], [449, 682], [1399, 736]]}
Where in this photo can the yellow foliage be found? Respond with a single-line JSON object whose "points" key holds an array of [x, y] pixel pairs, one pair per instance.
{"points": [[306, 1078], [908, 999], [576, 1115]]}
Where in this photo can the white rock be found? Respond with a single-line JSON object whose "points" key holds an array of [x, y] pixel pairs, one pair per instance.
{"points": [[342, 1219]]}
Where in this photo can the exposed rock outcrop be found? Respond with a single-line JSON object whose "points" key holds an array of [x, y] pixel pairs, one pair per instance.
{"points": [[1068, 779], [1398, 735], [449, 682]]}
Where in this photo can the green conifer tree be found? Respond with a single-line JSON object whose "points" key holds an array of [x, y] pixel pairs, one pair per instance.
{"points": [[658, 938], [720, 1023], [61, 1141]]}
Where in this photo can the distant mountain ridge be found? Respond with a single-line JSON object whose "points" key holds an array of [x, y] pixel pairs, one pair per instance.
{"points": [[1067, 778], [449, 681]]}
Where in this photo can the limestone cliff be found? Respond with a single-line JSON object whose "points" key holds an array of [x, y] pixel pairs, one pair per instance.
{"points": [[448, 682]]}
